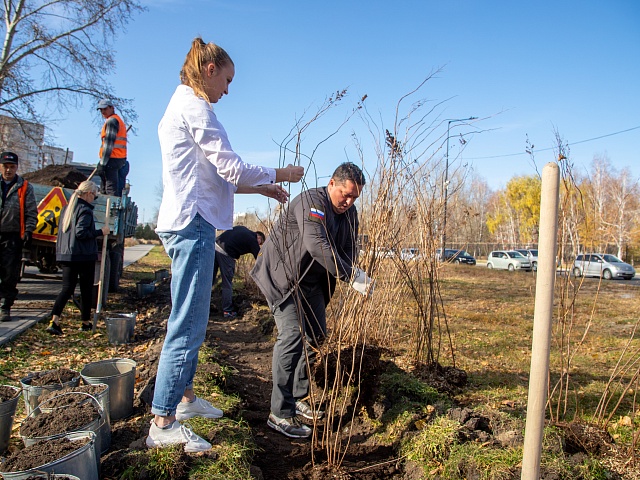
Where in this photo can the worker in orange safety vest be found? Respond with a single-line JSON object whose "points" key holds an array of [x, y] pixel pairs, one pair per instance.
{"points": [[113, 165], [18, 219]]}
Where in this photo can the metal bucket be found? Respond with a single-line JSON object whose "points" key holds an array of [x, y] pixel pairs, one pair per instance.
{"points": [[145, 288], [120, 327], [104, 432], [83, 462], [7, 413], [99, 426], [31, 394], [120, 375], [51, 476], [161, 274]]}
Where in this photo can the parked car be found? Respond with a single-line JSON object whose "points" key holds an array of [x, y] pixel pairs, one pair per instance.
{"points": [[531, 254], [410, 254], [508, 260], [455, 256], [602, 265]]}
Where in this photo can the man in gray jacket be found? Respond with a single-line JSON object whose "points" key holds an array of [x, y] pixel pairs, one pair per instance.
{"points": [[18, 219], [312, 244]]}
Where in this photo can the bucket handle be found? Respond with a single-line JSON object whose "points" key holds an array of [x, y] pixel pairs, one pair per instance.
{"points": [[97, 403]]}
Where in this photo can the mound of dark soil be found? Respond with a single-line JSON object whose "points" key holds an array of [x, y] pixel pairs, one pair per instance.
{"points": [[585, 438], [59, 420], [57, 176], [52, 377], [7, 393], [40, 454], [63, 398]]}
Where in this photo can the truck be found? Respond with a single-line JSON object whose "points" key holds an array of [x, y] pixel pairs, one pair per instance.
{"points": [[123, 219]]}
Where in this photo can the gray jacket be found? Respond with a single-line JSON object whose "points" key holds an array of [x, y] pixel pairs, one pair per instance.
{"points": [[310, 242], [10, 209]]}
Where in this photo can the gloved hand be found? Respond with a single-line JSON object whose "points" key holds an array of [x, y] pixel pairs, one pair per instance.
{"points": [[99, 169], [26, 239], [362, 283]]}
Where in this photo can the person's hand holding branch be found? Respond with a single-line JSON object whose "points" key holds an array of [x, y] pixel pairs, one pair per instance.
{"points": [[274, 191], [290, 173]]}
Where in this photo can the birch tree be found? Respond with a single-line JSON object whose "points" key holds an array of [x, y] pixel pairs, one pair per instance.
{"points": [[57, 52]]}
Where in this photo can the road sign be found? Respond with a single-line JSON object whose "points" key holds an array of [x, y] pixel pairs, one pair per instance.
{"points": [[49, 215]]}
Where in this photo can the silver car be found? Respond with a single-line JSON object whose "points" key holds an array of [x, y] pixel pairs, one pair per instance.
{"points": [[508, 260], [602, 265], [531, 254]]}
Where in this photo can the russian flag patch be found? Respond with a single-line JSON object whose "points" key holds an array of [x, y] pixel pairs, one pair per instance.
{"points": [[316, 214]]}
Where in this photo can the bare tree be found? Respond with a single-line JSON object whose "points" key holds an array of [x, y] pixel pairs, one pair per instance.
{"points": [[55, 52]]}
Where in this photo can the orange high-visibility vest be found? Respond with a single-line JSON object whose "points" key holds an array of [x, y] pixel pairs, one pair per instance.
{"points": [[120, 145], [22, 198]]}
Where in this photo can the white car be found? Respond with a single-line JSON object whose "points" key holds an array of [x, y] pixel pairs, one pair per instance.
{"points": [[531, 254], [410, 254], [508, 260]]}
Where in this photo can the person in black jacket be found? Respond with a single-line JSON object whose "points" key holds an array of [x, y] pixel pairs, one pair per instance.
{"points": [[18, 219], [312, 245], [77, 252], [230, 246]]}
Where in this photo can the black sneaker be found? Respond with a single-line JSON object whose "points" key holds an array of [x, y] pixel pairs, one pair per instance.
{"points": [[86, 327], [5, 315], [54, 329]]}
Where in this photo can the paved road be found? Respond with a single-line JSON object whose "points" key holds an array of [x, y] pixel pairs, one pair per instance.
{"points": [[38, 291]]}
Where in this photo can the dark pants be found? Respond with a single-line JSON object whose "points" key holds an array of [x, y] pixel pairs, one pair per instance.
{"points": [[303, 309], [111, 177], [227, 267], [122, 176], [71, 273], [10, 262]]}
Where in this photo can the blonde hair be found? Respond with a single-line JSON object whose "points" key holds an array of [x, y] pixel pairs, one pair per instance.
{"points": [[85, 187], [200, 55]]}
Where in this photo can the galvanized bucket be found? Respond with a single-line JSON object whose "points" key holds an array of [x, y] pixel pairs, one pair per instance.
{"points": [[120, 375], [31, 394], [83, 462], [7, 413], [103, 442], [145, 288], [120, 327], [50, 476], [99, 426], [161, 274]]}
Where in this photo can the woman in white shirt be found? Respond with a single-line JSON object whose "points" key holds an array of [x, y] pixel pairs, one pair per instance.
{"points": [[201, 173]]}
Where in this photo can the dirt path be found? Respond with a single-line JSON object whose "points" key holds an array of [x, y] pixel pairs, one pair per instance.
{"points": [[244, 346]]}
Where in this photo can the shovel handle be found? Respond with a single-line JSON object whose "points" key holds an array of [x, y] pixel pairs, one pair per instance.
{"points": [[102, 264]]}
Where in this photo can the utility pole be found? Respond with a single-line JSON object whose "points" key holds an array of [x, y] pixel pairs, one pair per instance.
{"points": [[445, 186]]}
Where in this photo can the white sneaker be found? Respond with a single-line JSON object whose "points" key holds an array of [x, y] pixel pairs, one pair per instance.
{"points": [[198, 408], [178, 433]]}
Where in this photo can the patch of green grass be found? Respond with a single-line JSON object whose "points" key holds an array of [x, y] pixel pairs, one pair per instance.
{"points": [[432, 445], [167, 463], [394, 425], [234, 448], [475, 460], [14, 356], [401, 387]]}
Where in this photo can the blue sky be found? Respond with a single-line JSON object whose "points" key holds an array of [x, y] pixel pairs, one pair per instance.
{"points": [[523, 68]]}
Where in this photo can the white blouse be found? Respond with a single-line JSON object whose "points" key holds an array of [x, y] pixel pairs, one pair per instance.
{"points": [[200, 170]]}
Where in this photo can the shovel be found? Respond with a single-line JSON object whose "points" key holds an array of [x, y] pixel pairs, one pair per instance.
{"points": [[102, 264]]}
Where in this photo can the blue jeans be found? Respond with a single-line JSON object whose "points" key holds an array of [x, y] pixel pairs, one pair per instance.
{"points": [[192, 254]]}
